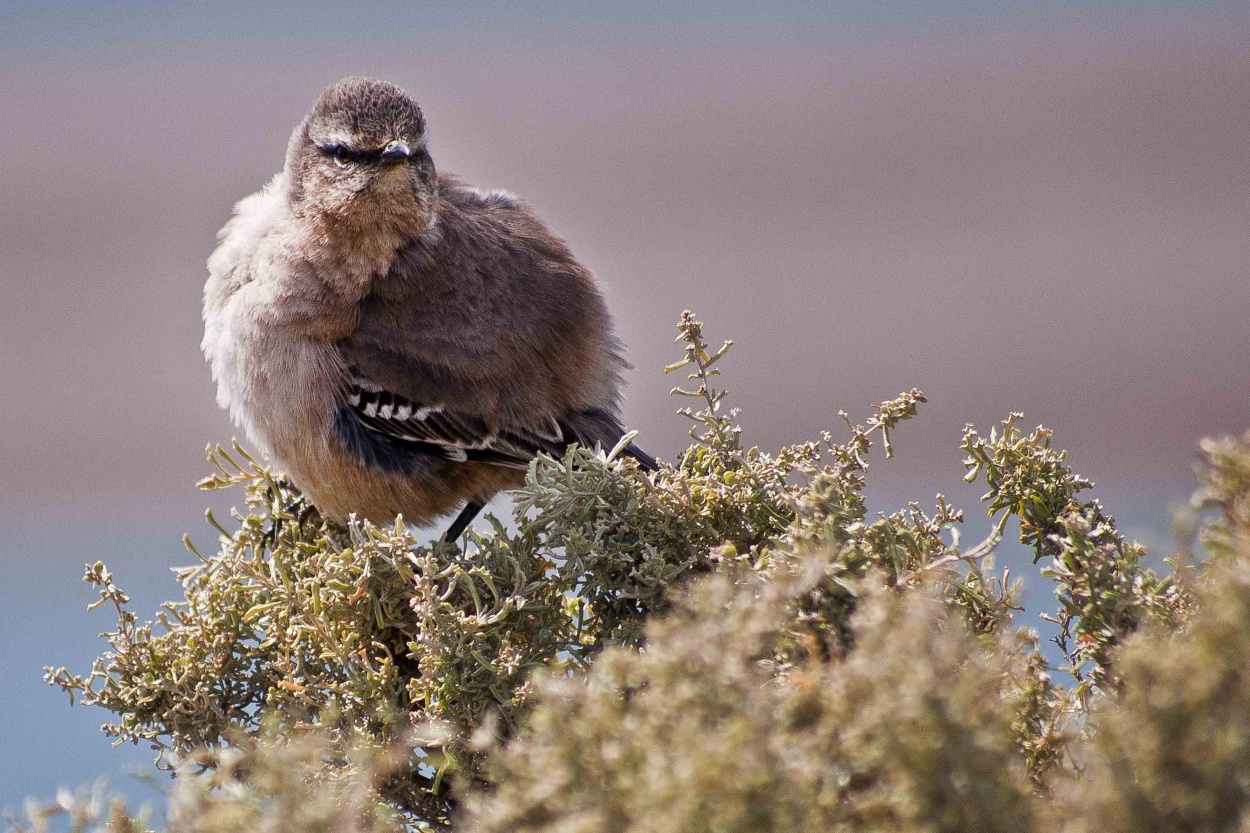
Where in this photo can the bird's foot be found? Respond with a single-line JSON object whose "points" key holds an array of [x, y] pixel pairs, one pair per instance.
{"points": [[300, 508]]}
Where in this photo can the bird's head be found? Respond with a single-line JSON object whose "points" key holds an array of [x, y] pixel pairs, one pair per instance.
{"points": [[360, 158]]}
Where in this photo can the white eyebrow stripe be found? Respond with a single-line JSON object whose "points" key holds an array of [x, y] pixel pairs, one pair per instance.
{"points": [[335, 137]]}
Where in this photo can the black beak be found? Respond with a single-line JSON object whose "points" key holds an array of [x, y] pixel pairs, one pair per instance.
{"points": [[396, 151]]}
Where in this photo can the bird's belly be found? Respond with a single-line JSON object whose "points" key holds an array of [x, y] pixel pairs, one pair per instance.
{"points": [[282, 389]]}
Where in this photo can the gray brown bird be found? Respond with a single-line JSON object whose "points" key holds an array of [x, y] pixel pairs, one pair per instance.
{"points": [[395, 340]]}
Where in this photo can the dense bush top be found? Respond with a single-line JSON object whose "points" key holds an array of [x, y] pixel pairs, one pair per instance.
{"points": [[731, 644]]}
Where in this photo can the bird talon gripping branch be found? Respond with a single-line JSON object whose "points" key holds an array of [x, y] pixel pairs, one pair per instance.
{"points": [[398, 341]]}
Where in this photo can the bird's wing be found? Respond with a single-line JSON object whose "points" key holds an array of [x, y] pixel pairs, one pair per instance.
{"points": [[456, 435], [478, 342]]}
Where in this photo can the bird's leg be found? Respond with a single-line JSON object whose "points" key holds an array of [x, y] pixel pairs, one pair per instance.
{"points": [[304, 507], [462, 521], [301, 508]]}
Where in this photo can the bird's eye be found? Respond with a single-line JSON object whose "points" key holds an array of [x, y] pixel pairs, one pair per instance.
{"points": [[342, 157]]}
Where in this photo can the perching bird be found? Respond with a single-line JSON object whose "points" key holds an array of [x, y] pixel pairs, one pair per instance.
{"points": [[395, 340]]}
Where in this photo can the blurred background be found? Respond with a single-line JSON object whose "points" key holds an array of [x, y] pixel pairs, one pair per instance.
{"points": [[1037, 206]]}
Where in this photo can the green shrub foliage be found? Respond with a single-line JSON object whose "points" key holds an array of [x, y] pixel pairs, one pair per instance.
{"points": [[730, 644], [701, 731]]}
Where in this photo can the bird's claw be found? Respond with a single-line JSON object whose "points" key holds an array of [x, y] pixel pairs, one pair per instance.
{"points": [[300, 507]]}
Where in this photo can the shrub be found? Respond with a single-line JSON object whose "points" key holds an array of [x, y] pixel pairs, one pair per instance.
{"points": [[729, 644]]}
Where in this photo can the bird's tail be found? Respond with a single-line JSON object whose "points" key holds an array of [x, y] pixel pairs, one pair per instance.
{"points": [[645, 460], [598, 425]]}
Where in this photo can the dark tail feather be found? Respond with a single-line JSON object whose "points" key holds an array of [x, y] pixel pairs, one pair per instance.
{"points": [[597, 425], [645, 460]]}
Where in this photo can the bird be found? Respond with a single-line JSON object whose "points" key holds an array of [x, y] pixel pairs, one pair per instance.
{"points": [[395, 340]]}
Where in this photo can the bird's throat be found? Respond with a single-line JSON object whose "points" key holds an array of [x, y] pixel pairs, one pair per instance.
{"points": [[358, 246]]}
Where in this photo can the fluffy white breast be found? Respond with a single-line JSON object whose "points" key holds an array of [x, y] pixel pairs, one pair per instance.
{"points": [[235, 265]]}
